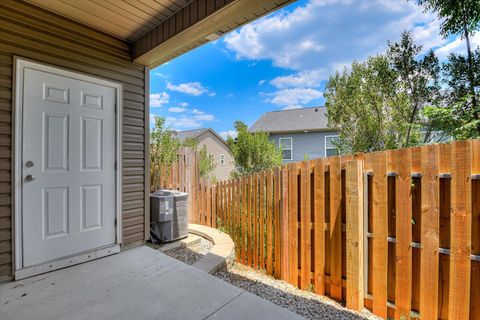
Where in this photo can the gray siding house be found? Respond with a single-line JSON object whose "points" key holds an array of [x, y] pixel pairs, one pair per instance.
{"points": [[300, 133]]}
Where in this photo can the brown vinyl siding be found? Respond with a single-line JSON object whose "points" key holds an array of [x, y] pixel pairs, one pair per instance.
{"points": [[30, 32]]}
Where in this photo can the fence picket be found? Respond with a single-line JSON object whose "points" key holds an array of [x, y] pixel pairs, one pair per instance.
{"points": [[403, 211], [380, 233], [461, 222], [475, 279], [293, 222], [305, 232], [269, 222], [354, 212], [261, 220], [430, 230], [319, 226], [335, 175]]}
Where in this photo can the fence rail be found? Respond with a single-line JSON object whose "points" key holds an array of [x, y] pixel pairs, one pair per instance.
{"points": [[395, 231]]}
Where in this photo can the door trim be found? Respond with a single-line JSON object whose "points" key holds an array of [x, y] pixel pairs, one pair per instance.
{"points": [[20, 64]]}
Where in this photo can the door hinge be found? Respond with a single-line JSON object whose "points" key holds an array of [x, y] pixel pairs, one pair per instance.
{"points": [[116, 107], [115, 166]]}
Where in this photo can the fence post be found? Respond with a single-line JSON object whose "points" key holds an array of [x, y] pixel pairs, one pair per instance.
{"points": [[355, 230]]}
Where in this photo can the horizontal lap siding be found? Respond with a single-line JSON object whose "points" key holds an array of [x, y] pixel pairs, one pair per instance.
{"points": [[310, 144], [33, 33]]}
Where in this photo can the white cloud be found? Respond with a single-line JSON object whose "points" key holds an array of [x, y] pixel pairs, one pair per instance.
{"points": [[295, 96], [188, 119], [458, 46], [161, 75], [183, 104], [177, 109], [196, 111], [300, 80], [191, 88], [261, 82], [159, 99], [292, 106], [204, 117], [228, 133], [325, 34]]}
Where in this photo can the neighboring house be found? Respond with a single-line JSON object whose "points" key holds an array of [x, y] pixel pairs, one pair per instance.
{"points": [[300, 133], [74, 119], [216, 146]]}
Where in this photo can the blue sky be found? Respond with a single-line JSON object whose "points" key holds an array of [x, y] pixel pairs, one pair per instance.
{"points": [[283, 60]]}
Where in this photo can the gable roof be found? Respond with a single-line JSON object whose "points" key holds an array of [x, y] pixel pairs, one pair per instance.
{"points": [[195, 133], [294, 120]]}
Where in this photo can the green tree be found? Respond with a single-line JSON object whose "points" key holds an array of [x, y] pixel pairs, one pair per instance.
{"points": [[206, 163], [163, 149], [459, 125], [365, 108], [420, 80], [461, 17], [379, 104], [252, 152]]}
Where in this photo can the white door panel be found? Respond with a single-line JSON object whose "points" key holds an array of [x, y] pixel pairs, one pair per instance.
{"points": [[69, 137]]}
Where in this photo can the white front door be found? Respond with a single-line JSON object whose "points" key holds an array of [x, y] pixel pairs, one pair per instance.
{"points": [[68, 153]]}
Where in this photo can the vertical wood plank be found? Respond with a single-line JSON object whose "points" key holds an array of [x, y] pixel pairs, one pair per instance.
{"points": [[238, 220], [277, 224], [319, 226], [293, 223], [403, 210], [380, 233], [475, 278], [249, 221], [354, 212], [305, 233], [269, 222], [208, 196], [284, 226], [227, 207], [461, 222], [444, 263], [261, 220], [335, 229], [255, 220], [214, 206], [430, 225], [244, 220]]}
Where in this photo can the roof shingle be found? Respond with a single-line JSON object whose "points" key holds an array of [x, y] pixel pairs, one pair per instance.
{"points": [[294, 120]]}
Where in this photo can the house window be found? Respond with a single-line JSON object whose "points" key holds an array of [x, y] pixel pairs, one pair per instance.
{"points": [[287, 147], [330, 147], [222, 159]]}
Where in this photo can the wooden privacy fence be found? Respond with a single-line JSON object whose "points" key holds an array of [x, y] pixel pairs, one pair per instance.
{"points": [[395, 231], [182, 175]]}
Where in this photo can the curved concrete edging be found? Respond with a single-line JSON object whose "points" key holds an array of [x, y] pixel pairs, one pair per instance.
{"points": [[222, 254]]}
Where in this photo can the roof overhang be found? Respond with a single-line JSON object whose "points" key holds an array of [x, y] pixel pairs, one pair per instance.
{"points": [[156, 48], [160, 30]]}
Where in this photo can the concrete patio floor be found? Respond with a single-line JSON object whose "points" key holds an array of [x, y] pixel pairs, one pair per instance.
{"points": [[139, 283]]}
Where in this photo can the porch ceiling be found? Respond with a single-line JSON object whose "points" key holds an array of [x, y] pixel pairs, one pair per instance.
{"points": [[127, 20], [160, 30]]}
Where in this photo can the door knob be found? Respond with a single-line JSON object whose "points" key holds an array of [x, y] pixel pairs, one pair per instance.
{"points": [[30, 178]]}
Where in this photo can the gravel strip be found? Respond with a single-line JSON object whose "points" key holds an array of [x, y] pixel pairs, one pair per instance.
{"points": [[303, 303], [191, 254]]}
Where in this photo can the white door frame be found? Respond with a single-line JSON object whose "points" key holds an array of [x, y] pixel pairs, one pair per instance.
{"points": [[20, 65]]}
